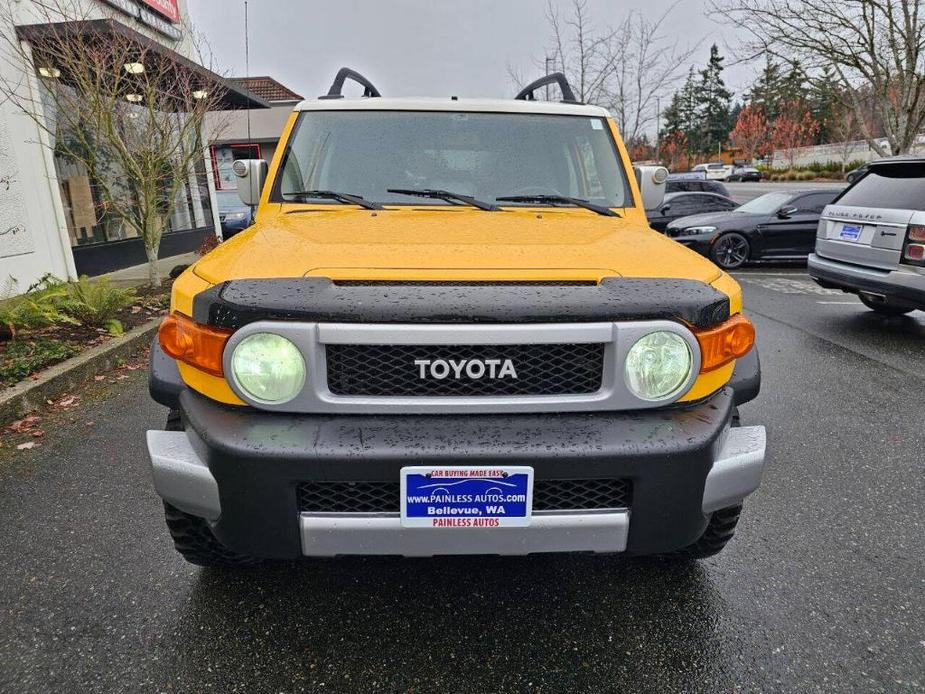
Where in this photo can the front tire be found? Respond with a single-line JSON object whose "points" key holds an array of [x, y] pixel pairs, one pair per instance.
{"points": [[730, 251], [192, 536], [884, 307], [718, 533]]}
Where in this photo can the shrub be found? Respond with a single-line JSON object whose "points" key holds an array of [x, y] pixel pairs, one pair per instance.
{"points": [[209, 244], [39, 307], [23, 357], [96, 302]]}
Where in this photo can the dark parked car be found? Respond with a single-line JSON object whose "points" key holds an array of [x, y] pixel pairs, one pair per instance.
{"points": [[745, 173], [775, 226], [855, 174], [677, 205], [686, 185], [234, 215]]}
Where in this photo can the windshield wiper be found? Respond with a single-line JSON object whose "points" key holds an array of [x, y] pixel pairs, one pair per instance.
{"points": [[345, 198], [445, 195], [562, 200]]}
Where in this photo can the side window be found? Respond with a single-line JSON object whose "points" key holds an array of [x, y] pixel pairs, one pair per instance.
{"points": [[716, 205], [682, 205], [813, 204]]}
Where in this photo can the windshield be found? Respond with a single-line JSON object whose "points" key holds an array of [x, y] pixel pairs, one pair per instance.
{"points": [[229, 202], [768, 203], [482, 155]]}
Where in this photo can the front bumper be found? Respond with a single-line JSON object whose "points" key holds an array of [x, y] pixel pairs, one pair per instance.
{"points": [[905, 286], [240, 469]]}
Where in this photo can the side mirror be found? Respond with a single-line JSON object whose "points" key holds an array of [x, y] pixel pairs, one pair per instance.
{"points": [[664, 209], [651, 181], [251, 173], [786, 212]]}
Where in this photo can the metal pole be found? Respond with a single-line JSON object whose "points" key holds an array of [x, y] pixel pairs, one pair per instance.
{"points": [[548, 61], [658, 128], [247, 66]]}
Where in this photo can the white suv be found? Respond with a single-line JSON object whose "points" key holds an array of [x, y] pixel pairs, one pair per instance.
{"points": [[715, 171], [871, 239]]}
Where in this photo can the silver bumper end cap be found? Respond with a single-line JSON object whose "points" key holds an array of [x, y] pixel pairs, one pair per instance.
{"points": [[333, 534], [181, 478], [737, 471]]}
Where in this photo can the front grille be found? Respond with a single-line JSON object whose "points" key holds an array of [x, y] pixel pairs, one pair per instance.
{"points": [[383, 497], [390, 370]]}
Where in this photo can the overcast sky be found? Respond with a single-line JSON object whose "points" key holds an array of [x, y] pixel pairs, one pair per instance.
{"points": [[415, 47]]}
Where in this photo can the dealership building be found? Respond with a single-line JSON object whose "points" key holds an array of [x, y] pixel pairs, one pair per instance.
{"points": [[51, 212]]}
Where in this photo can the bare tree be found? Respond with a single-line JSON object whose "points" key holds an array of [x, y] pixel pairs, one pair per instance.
{"points": [[846, 129], [114, 106], [876, 49], [625, 69], [649, 65]]}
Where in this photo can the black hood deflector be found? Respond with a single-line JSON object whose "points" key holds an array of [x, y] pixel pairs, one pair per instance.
{"points": [[317, 299]]}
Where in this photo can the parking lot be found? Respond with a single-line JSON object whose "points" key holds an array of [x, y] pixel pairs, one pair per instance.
{"points": [[821, 589]]}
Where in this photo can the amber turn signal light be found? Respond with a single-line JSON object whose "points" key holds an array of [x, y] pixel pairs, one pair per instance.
{"points": [[193, 343], [727, 341]]}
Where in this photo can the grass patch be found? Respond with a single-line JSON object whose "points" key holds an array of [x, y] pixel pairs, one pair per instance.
{"points": [[20, 358]]}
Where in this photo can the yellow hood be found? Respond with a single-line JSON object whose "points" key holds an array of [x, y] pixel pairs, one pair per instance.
{"points": [[450, 243]]}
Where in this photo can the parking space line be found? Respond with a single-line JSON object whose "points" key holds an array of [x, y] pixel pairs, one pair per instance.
{"points": [[840, 303]]}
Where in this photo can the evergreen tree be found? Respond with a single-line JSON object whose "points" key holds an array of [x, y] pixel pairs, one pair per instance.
{"points": [[795, 85], [825, 105], [767, 90], [714, 101], [682, 115]]}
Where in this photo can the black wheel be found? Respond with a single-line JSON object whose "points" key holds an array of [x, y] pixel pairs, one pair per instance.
{"points": [[719, 531], [174, 421], [730, 251], [884, 307], [191, 535], [193, 538]]}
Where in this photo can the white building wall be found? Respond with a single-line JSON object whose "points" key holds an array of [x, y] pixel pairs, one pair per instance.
{"points": [[31, 214], [33, 231], [857, 150]]}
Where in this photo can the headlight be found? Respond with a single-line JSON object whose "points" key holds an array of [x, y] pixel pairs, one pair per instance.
{"points": [[693, 231], [268, 367], [658, 365], [235, 216]]}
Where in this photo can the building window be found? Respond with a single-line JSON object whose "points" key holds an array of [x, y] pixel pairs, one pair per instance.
{"points": [[85, 208], [223, 156]]}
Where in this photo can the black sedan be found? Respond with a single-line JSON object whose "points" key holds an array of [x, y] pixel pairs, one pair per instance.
{"points": [[775, 226], [677, 205]]}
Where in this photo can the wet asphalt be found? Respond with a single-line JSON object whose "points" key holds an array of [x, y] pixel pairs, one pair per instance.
{"points": [[822, 588]]}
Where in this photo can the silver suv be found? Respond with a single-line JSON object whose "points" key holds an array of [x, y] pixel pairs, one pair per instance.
{"points": [[871, 239]]}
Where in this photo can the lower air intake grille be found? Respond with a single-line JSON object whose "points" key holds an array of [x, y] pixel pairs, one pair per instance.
{"points": [[383, 497], [390, 370]]}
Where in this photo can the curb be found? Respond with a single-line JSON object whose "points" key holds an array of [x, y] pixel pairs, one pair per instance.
{"points": [[56, 380]]}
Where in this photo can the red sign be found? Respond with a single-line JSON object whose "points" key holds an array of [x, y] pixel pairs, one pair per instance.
{"points": [[167, 8]]}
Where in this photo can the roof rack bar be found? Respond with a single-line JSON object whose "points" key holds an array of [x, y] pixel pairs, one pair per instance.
{"points": [[528, 92], [345, 73]]}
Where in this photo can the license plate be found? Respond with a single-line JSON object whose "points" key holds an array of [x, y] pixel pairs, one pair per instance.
{"points": [[850, 232], [466, 497]]}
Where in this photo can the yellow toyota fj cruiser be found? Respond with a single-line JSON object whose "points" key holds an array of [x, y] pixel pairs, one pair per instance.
{"points": [[451, 331]]}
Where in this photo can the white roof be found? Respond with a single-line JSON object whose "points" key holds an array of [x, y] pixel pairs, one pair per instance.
{"points": [[447, 104]]}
